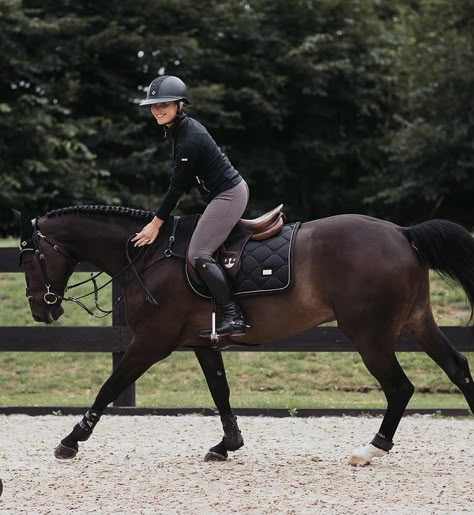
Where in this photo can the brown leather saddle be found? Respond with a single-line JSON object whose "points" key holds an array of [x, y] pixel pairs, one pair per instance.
{"points": [[264, 226], [261, 228]]}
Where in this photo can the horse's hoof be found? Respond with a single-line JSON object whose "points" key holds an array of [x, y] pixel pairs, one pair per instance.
{"points": [[64, 453], [362, 456], [217, 453], [358, 461], [215, 456]]}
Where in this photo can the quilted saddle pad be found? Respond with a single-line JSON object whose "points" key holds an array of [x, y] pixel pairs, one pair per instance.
{"points": [[266, 266]]}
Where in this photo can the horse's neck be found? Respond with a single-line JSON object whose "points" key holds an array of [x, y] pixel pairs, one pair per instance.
{"points": [[98, 240]]}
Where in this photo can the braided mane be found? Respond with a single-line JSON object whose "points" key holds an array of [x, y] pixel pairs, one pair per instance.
{"points": [[101, 210]]}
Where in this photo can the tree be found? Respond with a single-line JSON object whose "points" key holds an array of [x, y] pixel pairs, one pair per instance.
{"points": [[430, 172], [44, 159], [324, 105]]}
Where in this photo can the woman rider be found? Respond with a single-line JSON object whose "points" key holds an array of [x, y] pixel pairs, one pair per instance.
{"points": [[198, 161]]}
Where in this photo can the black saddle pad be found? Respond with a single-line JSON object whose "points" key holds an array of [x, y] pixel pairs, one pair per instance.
{"points": [[266, 266]]}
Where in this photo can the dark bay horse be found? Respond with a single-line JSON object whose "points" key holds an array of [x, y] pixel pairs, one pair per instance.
{"points": [[369, 275]]}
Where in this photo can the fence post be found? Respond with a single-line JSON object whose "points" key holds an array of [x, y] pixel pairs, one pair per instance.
{"points": [[127, 397]]}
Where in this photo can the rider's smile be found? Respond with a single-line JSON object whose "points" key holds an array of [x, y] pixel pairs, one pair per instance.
{"points": [[164, 112]]}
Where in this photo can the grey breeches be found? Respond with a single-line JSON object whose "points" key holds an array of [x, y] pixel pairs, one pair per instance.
{"points": [[217, 221]]}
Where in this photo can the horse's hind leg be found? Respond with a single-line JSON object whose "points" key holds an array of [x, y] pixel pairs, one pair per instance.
{"points": [[213, 367], [130, 368], [439, 349], [379, 357]]}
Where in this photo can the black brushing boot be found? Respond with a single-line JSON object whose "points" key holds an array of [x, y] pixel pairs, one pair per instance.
{"points": [[231, 442], [232, 436], [232, 322]]}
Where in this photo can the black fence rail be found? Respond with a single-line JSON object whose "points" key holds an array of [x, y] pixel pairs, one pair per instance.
{"points": [[115, 338]]}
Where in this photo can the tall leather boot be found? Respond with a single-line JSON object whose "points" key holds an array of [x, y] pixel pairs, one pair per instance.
{"points": [[232, 321]]}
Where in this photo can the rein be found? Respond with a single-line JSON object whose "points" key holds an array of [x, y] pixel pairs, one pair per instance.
{"points": [[51, 298]]}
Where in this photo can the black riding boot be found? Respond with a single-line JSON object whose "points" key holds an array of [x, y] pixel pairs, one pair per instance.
{"points": [[232, 322]]}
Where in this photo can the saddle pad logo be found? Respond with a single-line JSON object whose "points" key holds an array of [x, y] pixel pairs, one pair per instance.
{"points": [[229, 262]]}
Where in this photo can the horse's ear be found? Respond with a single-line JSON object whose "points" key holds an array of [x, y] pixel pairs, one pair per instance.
{"points": [[17, 217], [25, 224]]}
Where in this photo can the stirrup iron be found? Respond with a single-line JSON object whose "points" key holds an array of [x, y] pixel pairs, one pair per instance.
{"points": [[212, 333], [214, 337]]}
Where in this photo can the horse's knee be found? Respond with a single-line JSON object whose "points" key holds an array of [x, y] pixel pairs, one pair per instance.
{"points": [[407, 388], [403, 391]]}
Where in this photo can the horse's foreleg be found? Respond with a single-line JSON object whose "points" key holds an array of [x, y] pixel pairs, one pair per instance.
{"points": [[130, 368], [383, 365], [213, 367]]}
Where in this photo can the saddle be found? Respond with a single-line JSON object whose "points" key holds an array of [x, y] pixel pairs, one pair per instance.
{"points": [[256, 255], [259, 229], [264, 226], [228, 255]]}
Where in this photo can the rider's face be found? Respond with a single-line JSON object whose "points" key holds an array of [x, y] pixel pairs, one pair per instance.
{"points": [[164, 112]]}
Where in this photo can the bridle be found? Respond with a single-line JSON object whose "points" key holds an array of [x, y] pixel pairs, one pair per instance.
{"points": [[50, 297], [33, 245]]}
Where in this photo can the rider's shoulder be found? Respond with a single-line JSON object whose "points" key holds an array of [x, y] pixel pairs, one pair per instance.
{"points": [[195, 126]]}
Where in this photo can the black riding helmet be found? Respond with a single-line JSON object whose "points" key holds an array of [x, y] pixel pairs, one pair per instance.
{"points": [[166, 88]]}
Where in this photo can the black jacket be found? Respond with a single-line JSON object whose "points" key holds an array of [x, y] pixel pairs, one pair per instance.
{"points": [[198, 161]]}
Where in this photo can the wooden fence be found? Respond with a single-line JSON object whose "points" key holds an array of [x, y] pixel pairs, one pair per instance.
{"points": [[114, 339]]}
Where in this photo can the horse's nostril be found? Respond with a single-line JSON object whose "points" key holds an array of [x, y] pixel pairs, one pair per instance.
{"points": [[36, 318]]}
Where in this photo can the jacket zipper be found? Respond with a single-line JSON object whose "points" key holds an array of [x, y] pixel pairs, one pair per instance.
{"points": [[201, 183]]}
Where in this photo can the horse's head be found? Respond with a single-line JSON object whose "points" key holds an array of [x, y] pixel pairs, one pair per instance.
{"points": [[47, 267]]}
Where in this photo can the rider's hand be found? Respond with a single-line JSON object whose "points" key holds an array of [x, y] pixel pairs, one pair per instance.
{"points": [[149, 233]]}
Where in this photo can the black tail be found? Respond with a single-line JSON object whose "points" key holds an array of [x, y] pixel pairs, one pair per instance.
{"points": [[448, 249]]}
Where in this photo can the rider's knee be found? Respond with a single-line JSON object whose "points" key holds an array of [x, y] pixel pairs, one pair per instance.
{"points": [[202, 261]]}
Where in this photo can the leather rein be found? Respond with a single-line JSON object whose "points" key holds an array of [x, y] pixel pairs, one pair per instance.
{"points": [[50, 297]]}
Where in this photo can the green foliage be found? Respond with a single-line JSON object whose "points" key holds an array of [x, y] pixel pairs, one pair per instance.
{"points": [[45, 161], [431, 166], [327, 106]]}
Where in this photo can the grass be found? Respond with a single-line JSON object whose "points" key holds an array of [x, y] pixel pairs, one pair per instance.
{"points": [[289, 380]]}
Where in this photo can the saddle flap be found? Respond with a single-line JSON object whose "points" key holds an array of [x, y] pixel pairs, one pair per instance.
{"points": [[230, 252]]}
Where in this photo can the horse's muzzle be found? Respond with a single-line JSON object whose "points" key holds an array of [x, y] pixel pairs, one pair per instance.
{"points": [[48, 316]]}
